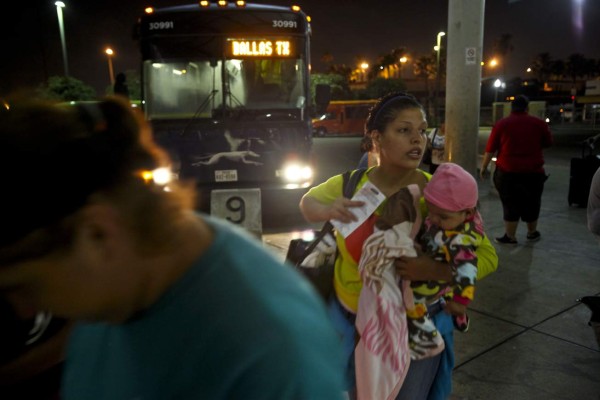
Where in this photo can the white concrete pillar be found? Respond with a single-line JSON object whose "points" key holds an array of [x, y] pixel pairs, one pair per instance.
{"points": [[463, 81]]}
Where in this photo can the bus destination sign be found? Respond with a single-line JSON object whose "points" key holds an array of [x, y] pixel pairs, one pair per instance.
{"points": [[259, 48]]}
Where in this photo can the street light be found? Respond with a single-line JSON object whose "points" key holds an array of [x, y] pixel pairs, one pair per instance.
{"points": [[438, 48], [59, 6], [364, 66], [402, 60], [109, 52], [497, 84]]}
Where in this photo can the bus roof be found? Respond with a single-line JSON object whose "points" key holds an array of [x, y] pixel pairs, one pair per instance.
{"points": [[213, 6], [213, 20]]}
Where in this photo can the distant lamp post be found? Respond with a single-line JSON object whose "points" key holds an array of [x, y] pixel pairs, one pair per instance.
{"points": [[438, 49], [61, 27], [403, 61], [109, 52], [364, 67], [497, 84]]}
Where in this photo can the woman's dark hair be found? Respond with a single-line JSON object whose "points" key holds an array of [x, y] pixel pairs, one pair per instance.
{"points": [[366, 144], [60, 155], [387, 109], [384, 112]]}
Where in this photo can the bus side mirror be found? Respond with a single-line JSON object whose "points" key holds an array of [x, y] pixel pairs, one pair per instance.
{"points": [[322, 97]]}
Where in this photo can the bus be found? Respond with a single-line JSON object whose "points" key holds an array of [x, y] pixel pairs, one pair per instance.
{"points": [[226, 90], [343, 117]]}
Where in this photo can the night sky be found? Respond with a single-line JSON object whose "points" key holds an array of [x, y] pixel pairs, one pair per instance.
{"points": [[31, 48]]}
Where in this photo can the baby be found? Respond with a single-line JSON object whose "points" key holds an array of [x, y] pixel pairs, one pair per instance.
{"points": [[382, 354], [452, 232]]}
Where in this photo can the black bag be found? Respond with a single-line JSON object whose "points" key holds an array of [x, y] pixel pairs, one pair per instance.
{"points": [[316, 259], [319, 268]]}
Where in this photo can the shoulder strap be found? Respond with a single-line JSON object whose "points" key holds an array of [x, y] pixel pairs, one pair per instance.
{"points": [[351, 179]]}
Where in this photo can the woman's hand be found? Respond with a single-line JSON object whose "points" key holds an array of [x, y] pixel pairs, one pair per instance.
{"points": [[423, 268], [454, 308], [340, 209], [414, 268]]}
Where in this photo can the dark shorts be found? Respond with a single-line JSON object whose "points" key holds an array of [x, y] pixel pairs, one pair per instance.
{"points": [[521, 194]]}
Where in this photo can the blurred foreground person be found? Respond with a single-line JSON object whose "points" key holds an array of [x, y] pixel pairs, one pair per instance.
{"points": [[170, 303], [32, 347], [593, 207]]}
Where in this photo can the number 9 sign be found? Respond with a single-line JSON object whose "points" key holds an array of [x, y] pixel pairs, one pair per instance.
{"points": [[239, 206]]}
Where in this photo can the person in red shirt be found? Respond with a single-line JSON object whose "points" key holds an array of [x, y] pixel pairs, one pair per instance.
{"points": [[518, 142]]}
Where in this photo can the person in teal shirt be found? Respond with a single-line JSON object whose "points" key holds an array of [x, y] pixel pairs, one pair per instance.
{"points": [[168, 303]]}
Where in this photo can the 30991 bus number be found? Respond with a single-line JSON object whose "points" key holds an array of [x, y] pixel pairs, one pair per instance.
{"points": [[279, 23], [161, 25]]}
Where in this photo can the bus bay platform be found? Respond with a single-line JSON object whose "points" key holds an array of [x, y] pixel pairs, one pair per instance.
{"points": [[529, 337]]}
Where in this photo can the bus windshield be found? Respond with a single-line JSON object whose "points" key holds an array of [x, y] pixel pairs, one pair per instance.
{"points": [[201, 88], [226, 89]]}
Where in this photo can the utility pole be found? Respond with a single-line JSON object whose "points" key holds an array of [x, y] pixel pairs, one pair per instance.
{"points": [[61, 27], [111, 74], [438, 77], [463, 83]]}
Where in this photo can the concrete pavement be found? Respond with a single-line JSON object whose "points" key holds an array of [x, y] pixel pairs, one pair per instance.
{"points": [[529, 338]]}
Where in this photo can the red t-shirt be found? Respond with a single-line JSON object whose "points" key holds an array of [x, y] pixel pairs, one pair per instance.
{"points": [[519, 140]]}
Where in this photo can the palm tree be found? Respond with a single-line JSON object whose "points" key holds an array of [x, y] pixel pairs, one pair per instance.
{"points": [[591, 66], [558, 69], [596, 71], [341, 69], [425, 67], [503, 47], [576, 66], [327, 59], [397, 54], [385, 62], [542, 67]]}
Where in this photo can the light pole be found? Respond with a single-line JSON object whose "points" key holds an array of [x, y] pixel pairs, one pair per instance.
{"points": [[497, 84], [438, 49], [59, 6], [402, 60], [492, 64], [109, 52], [364, 66]]}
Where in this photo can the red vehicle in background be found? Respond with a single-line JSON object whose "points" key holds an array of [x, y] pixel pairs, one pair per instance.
{"points": [[343, 117]]}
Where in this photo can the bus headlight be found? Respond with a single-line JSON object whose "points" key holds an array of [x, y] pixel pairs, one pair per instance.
{"points": [[296, 175]]}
